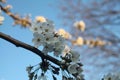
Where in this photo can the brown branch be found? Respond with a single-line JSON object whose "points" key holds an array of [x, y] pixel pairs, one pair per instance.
{"points": [[23, 21], [18, 43]]}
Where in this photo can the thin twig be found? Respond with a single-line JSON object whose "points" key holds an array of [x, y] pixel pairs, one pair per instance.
{"points": [[16, 18]]}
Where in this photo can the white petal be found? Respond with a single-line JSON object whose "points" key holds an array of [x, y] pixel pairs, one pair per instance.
{"points": [[72, 68]]}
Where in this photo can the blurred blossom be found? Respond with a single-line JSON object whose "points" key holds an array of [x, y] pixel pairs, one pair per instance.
{"points": [[74, 68], [8, 7], [65, 34], [80, 25], [115, 76], [1, 19], [79, 41], [94, 43], [47, 27], [38, 39], [40, 19], [48, 48], [75, 56], [66, 50], [59, 47], [35, 28]]}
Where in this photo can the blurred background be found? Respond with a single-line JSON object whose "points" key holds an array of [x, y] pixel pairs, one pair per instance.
{"points": [[102, 20]]}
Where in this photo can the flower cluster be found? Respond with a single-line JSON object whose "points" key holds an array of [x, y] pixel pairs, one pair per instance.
{"points": [[91, 43], [73, 58], [52, 41], [115, 76], [45, 35]]}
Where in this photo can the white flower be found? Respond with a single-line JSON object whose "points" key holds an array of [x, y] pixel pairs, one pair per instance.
{"points": [[108, 76], [42, 77], [44, 35], [64, 34], [48, 48], [75, 56], [59, 38], [1, 19], [80, 77], [38, 39], [41, 27], [57, 52], [112, 76], [50, 23], [72, 68], [80, 25], [79, 41], [59, 47], [47, 27], [36, 28], [49, 37], [40, 19], [79, 69], [65, 51]]}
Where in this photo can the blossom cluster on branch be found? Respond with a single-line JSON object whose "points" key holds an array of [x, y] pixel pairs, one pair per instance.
{"points": [[53, 41]]}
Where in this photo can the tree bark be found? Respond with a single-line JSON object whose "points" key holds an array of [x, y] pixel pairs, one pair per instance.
{"points": [[18, 43]]}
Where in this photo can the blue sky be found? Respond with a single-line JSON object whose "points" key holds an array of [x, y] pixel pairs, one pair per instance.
{"points": [[13, 60]]}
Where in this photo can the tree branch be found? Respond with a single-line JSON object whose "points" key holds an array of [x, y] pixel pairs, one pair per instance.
{"points": [[22, 21], [18, 43]]}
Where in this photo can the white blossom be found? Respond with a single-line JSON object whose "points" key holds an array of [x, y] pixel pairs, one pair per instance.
{"points": [[48, 48], [112, 76], [38, 39], [36, 28], [59, 39], [50, 23], [1, 17], [72, 68], [64, 34], [80, 76], [59, 47], [80, 25], [40, 19], [79, 41], [44, 35], [75, 56], [65, 51], [49, 37], [47, 27]]}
